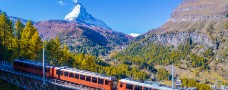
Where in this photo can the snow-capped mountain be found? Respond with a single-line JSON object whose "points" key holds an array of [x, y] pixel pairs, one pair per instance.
{"points": [[80, 14], [134, 34]]}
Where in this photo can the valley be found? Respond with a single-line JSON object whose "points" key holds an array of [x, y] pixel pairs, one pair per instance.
{"points": [[194, 39]]}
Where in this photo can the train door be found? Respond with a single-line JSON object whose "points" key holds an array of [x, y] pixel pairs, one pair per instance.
{"points": [[114, 83], [58, 73]]}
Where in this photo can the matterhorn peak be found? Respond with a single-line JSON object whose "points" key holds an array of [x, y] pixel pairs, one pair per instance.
{"points": [[80, 14], [75, 12]]}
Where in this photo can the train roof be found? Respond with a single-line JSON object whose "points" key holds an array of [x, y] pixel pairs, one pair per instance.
{"points": [[148, 85], [86, 73], [32, 62]]}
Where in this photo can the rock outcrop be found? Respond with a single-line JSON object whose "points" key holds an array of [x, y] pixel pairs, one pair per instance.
{"points": [[202, 21], [194, 10]]}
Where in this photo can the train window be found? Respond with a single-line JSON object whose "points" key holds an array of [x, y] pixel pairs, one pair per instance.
{"points": [[121, 84], [129, 86], [61, 73], [28, 66], [137, 88], [18, 64], [77, 76], [31, 66], [100, 81], [47, 69], [71, 75], [15, 63], [57, 72], [36, 68], [24, 65], [88, 78], [106, 82], [40, 68], [82, 77], [94, 80], [65, 73], [145, 88]]}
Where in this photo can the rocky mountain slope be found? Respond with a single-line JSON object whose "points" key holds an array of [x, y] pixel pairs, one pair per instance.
{"points": [[196, 31], [201, 20], [81, 37]]}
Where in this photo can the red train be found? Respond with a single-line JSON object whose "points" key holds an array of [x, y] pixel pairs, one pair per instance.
{"points": [[86, 78], [82, 77]]}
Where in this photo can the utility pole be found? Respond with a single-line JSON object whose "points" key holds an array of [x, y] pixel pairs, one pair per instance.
{"points": [[172, 77], [43, 66]]}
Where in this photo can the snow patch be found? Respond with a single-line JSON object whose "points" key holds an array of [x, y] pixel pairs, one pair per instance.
{"points": [[76, 1], [134, 34], [73, 14]]}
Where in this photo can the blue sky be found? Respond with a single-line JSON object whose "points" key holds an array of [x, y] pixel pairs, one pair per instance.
{"points": [[128, 16]]}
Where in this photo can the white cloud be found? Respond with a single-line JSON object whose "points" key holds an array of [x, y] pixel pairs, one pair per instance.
{"points": [[134, 34], [61, 3], [75, 1]]}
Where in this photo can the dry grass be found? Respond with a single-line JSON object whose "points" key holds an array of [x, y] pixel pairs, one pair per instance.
{"points": [[167, 83], [205, 76]]}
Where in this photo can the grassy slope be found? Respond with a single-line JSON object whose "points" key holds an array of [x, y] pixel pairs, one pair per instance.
{"points": [[195, 73]]}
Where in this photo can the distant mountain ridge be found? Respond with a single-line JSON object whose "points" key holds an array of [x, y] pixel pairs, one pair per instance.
{"points": [[14, 19], [83, 38]]}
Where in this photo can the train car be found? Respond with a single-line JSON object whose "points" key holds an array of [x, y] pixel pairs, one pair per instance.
{"points": [[33, 67], [86, 78], [127, 84]]}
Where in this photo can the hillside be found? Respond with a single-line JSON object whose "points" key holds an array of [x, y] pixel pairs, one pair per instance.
{"points": [[195, 38], [83, 33], [81, 37]]}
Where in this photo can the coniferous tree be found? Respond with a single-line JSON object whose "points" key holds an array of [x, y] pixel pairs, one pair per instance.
{"points": [[50, 51], [18, 30], [53, 50], [27, 45], [6, 36], [57, 48], [35, 46], [65, 58]]}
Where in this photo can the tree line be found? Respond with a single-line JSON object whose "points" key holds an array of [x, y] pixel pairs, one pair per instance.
{"points": [[19, 41], [156, 54]]}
